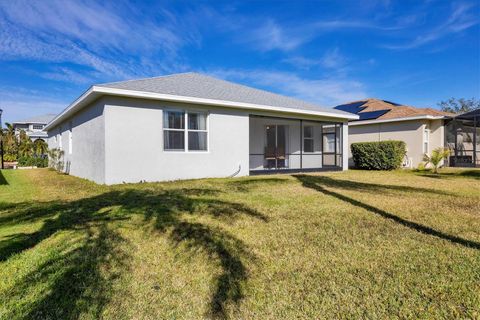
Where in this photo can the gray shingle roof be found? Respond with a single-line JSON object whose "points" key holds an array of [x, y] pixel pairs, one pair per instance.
{"points": [[42, 119], [197, 85]]}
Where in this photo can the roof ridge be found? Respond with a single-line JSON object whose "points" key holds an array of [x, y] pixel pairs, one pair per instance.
{"points": [[261, 90], [147, 78]]}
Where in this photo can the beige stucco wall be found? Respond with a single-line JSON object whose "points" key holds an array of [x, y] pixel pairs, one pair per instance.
{"points": [[411, 132]]}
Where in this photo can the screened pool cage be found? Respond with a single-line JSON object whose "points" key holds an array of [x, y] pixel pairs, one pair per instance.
{"points": [[280, 144], [462, 137]]}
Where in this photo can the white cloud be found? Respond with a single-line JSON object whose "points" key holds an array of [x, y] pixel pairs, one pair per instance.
{"points": [[460, 19], [18, 103], [333, 59], [322, 91], [113, 41], [271, 36]]}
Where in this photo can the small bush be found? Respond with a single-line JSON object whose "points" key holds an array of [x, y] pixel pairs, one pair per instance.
{"points": [[421, 167], [27, 161], [382, 155], [55, 159]]}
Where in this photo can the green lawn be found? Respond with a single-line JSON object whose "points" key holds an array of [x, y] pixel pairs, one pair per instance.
{"points": [[351, 244]]}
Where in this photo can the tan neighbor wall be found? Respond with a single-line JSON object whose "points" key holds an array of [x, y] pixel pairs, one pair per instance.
{"points": [[411, 132]]}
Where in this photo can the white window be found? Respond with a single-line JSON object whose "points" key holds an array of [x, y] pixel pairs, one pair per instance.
{"points": [[426, 139], [308, 139], [174, 130], [197, 131], [37, 127], [180, 137], [70, 140]]}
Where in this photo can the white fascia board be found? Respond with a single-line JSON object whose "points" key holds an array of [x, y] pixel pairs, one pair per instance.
{"points": [[213, 102], [72, 108], [424, 117], [95, 91]]}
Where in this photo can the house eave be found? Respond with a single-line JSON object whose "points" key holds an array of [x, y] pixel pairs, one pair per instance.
{"points": [[95, 92], [422, 117]]}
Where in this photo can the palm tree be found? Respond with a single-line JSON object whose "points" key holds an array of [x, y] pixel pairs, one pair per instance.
{"points": [[25, 148], [437, 156], [40, 147], [10, 140]]}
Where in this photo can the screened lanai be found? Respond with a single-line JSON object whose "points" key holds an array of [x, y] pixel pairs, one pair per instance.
{"points": [[294, 145], [462, 137]]}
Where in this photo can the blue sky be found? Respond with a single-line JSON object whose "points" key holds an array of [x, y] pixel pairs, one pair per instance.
{"points": [[327, 52]]}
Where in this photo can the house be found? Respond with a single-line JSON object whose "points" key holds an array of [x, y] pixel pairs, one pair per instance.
{"points": [[34, 127], [462, 137], [189, 125], [422, 129]]}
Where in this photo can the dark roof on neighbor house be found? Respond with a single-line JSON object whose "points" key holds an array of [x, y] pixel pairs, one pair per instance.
{"points": [[469, 114], [206, 87], [41, 119], [376, 109]]}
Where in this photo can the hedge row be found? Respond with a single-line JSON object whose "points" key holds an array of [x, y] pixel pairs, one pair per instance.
{"points": [[381, 155]]}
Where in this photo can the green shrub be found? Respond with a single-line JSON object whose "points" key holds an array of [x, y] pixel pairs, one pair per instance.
{"points": [[29, 161], [381, 155]]}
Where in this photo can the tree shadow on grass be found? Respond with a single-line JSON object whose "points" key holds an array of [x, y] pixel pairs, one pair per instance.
{"points": [[319, 183], [94, 215], [3, 181], [373, 188], [246, 184], [474, 174]]}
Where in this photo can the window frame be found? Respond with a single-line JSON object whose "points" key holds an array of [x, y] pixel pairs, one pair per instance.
{"points": [[174, 129], [186, 130], [187, 113], [426, 140]]}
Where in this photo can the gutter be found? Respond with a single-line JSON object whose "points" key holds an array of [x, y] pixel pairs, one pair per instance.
{"points": [[95, 91], [422, 117]]}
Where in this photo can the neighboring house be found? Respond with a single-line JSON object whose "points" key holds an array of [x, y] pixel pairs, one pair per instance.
{"points": [[34, 127], [422, 129], [189, 125]]}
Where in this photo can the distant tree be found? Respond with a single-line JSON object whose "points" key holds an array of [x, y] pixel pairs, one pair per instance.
{"points": [[10, 143], [459, 105], [25, 145], [40, 147]]}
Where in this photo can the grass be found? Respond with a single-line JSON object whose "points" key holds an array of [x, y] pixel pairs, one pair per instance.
{"points": [[351, 244]]}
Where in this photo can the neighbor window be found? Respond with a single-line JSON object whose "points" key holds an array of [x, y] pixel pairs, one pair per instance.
{"points": [[197, 131], [426, 138], [174, 130], [180, 137], [308, 139]]}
